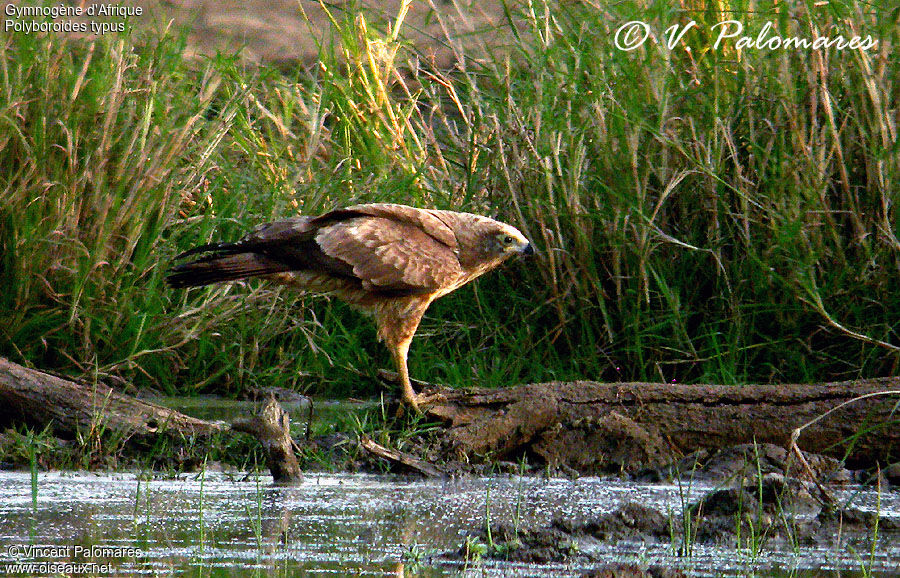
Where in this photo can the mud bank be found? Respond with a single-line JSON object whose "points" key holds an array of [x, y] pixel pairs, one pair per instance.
{"points": [[770, 512]]}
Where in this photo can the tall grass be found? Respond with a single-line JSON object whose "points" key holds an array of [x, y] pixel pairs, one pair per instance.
{"points": [[717, 215], [722, 216]]}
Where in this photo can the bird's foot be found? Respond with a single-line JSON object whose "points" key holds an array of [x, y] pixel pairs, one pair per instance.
{"points": [[419, 403], [411, 403]]}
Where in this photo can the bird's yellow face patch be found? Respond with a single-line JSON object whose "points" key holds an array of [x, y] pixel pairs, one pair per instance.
{"points": [[509, 240]]}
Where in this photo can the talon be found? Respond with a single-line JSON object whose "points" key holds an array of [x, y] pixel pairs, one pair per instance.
{"points": [[413, 403]]}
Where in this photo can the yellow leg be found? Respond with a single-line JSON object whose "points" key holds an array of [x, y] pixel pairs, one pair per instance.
{"points": [[397, 331], [408, 394]]}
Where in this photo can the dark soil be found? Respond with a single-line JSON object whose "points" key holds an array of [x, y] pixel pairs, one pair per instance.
{"points": [[777, 512], [745, 461]]}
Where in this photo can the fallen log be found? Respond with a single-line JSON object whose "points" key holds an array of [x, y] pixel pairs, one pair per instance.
{"points": [[585, 426], [40, 399], [69, 407], [609, 427]]}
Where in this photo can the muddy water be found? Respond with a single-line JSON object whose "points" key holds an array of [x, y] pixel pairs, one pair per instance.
{"points": [[237, 525]]}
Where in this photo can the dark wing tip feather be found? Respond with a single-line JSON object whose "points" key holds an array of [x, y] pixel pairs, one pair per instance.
{"points": [[216, 268]]}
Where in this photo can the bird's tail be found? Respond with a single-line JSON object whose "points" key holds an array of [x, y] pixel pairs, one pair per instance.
{"points": [[225, 262]]}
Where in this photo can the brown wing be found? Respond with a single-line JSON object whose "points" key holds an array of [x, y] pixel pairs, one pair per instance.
{"points": [[427, 221], [390, 249], [389, 255]]}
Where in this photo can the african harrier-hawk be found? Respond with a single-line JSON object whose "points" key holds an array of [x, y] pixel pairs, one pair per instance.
{"points": [[388, 260]]}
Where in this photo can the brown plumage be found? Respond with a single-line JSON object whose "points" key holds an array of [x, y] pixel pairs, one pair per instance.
{"points": [[388, 260]]}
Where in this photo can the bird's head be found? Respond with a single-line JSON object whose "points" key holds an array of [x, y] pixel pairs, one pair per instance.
{"points": [[485, 243], [505, 240]]}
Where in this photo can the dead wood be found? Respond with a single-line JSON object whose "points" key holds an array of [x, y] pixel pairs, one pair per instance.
{"points": [[586, 426], [606, 427], [404, 460], [41, 399], [272, 428]]}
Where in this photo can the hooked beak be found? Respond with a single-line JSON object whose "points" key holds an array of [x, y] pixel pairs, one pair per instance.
{"points": [[528, 250]]}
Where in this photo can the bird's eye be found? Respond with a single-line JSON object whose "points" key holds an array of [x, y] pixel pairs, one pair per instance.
{"points": [[508, 240]]}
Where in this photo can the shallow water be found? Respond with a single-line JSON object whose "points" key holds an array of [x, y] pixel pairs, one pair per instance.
{"points": [[227, 525]]}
